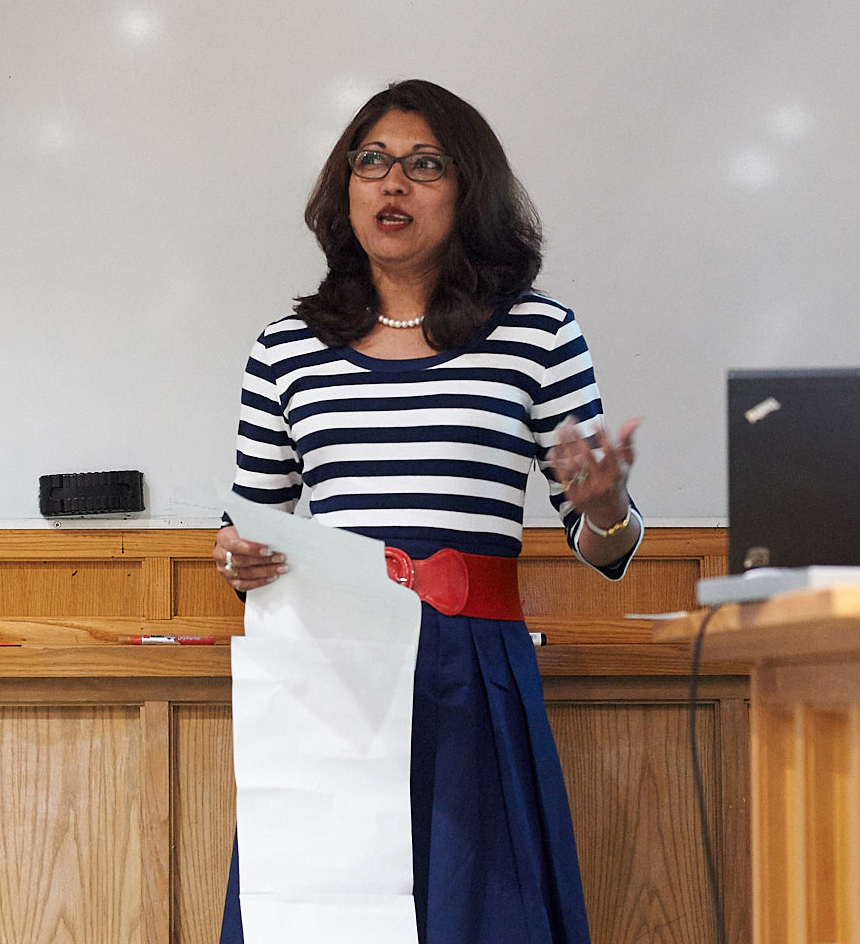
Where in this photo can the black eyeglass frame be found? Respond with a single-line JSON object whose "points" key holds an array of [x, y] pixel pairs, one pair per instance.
{"points": [[444, 158]]}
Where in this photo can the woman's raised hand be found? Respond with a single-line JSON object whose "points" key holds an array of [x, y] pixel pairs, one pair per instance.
{"points": [[595, 484], [246, 565]]}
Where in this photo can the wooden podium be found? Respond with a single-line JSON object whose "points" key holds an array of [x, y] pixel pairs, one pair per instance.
{"points": [[805, 726]]}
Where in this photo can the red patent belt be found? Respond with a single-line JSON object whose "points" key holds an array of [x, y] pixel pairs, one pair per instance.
{"points": [[460, 584]]}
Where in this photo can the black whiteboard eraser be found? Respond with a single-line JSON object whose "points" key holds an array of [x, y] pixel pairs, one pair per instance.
{"points": [[90, 493]]}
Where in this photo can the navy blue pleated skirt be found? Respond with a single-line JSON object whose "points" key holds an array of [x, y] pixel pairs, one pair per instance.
{"points": [[493, 848]]}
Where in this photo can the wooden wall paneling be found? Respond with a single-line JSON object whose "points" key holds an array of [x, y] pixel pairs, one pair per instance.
{"points": [[63, 588], [615, 699], [735, 808], [629, 778], [70, 839], [828, 760], [103, 631], [565, 585], [661, 578], [621, 754], [199, 590], [714, 565], [854, 822], [66, 544], [156, 821], [204, 819], [157, 576], [775, 838]]}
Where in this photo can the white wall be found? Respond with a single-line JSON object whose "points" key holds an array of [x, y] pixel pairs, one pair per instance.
{"points": [[697, 166]]}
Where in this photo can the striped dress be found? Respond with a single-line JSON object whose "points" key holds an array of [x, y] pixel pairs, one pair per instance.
{"points": [[423, 454]]}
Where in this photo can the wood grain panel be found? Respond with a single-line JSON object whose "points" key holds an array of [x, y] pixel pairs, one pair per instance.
{"points": [[199, 590], [736, 788], [204, 819], [777, 798], [628, 774], [156, 821], [615, 700], [169, 542], [157, 576], [111, 631], [36, 544], [559, 586], [657, 542], [70, 837], [83, 587], [827, 792], [114, 661]]}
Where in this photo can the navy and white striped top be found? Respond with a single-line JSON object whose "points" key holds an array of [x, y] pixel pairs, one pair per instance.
{"points": [[434, 450]]}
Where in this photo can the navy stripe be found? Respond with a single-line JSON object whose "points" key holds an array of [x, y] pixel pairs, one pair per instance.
{"points": [[437, 401], [275, 437], [266, 466], [562, 387], [263, 496], [502, 475], [499, 545], [465, 375], [547, 324], [258, 402], [582, 413], [414, 434], [459, 503]]}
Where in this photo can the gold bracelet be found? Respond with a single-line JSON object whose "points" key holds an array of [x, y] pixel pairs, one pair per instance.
{"points": [[612, 529]]}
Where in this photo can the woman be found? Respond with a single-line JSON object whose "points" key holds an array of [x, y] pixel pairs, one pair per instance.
{"points": [[411, 394]]}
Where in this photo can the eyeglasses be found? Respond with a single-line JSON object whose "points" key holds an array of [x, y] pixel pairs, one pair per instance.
{"points": [[374, 165]]}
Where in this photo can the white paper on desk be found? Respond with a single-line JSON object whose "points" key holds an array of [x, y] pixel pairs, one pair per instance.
{"points": [[322, 709]]}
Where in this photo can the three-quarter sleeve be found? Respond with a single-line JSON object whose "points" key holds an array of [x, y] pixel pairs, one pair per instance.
{"points": [[268, 467], [569, 388]]}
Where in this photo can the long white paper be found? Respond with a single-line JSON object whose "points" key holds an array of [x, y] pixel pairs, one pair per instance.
{"points": [[322, 710]]}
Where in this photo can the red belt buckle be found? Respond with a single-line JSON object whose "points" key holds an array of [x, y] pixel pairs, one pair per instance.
{"points": [[400, 567], [441, 580]]}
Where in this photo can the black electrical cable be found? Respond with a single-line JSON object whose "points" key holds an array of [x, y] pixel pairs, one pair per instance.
{"points": [[713, 882]]}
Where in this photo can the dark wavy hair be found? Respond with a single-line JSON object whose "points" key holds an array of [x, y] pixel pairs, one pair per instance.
{"points": [[493, 254]]}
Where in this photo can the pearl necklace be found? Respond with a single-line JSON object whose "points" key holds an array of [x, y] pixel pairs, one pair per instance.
{"points": [[394, 323]]}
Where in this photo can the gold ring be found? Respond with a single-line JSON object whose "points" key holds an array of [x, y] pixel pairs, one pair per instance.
{"points": [[577, 479]]}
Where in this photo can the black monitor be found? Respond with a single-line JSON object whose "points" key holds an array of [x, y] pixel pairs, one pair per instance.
{"points": [[794, 468]]}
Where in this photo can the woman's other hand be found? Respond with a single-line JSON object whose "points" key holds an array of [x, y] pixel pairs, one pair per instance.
{"points": [[596, 484], [246, 565]]}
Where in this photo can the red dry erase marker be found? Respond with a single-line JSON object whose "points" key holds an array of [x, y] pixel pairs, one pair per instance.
{"points": [[170, 640]]}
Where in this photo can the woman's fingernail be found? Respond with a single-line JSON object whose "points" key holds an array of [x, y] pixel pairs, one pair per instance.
{"points": [[278, 559], [284, 569]]}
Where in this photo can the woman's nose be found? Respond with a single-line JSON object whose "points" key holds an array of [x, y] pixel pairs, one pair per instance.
{"points": [[396, 180]]}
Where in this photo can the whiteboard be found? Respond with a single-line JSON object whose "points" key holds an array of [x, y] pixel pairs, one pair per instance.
{"points": [[697, 168]]}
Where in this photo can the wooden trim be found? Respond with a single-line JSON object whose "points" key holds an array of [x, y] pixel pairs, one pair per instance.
{"points": [[175, 582], [197, 543], [697, 543], [24, 544], [81, 690], [114, 662], [644, 689], [597, 660], [95, 544], [608, 659], [156, 821], [157, 588], [105, 631], [735, 780]]}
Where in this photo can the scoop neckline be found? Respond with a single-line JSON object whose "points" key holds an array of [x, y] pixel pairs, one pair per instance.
{"points": [[419, 363]]}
